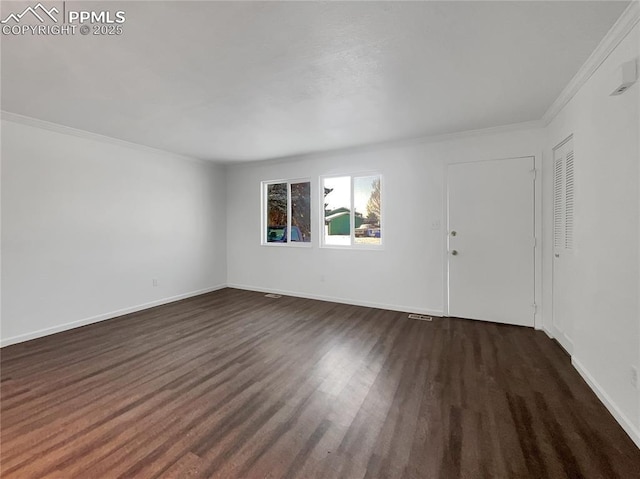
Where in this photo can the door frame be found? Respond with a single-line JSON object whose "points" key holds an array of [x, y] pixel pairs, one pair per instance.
{"points": [[537, 228]]}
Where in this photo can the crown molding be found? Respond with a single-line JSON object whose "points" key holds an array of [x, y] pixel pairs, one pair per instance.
{"points": [[87, 135], [492, 130], [611, 40], [55, 127], [400, 143]]}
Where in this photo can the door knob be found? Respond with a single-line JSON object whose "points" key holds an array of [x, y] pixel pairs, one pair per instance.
{"points": [[557, 255], [454, 252], [454, 233]]}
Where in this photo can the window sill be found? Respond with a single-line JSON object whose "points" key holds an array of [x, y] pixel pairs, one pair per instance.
{"points": [[288, 245], [354, 248]]}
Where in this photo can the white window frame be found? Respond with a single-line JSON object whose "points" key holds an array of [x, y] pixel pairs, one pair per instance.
{"points": [[353, 245], [263, 213]]}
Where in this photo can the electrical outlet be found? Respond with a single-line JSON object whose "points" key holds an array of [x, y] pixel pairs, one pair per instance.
{"points": [[154, 282], [634, 377]]}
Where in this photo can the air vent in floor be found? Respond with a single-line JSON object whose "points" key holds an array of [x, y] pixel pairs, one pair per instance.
{"points": [[421, 317], [271, 295]]}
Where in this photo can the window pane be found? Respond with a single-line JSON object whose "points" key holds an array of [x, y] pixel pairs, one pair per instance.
{"points": [[301, 212], [337, 210], [276, 213], [366, 199]]}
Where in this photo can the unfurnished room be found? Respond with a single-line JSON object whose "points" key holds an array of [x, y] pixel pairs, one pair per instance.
{"points": [[320, 239]]}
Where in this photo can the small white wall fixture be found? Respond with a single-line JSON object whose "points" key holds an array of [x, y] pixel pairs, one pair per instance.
{"points": [[625, 76]]}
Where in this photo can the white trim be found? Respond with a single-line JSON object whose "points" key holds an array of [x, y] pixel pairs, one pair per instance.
{"points": [[358, 247], [538, 319], [565, 341], [352, 214], [87, 135], [292, 244], [389, 144], [623, 420], [403, 142], [547, 332], [492, 130], [333, 299], [614, 36], [103, 317], [289, 210], [445, 242], [560, 145]]}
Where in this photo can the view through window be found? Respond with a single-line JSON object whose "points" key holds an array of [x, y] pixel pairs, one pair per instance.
{"points": [[352, 210], [288, 212]]}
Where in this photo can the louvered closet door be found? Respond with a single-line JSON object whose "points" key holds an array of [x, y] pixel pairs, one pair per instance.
{"points": [[563, 239]]}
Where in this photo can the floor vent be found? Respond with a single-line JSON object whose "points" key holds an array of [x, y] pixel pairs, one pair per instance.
{"points": [[271, 295], [421, 317]]}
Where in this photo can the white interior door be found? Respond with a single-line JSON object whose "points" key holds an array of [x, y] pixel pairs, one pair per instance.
{"points": [[563, 207], [491, 240]]}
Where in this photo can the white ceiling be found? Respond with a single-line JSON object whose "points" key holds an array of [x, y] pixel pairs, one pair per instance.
{"points": [[243, 81]]}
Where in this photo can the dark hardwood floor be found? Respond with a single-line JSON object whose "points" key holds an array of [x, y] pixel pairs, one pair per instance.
{"points": [[235, 385]]}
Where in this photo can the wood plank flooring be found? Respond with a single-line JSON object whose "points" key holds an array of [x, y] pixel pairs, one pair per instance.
{"points": [[235, 385]]}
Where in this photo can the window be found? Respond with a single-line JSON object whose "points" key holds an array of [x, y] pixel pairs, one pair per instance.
{"points": [[286, 212], [352, 211]]}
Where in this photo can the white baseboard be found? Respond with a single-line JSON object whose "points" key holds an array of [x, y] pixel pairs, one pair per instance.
{"points": [[622, 419], [103, 317], [561, 338], [368, 304], [548, 333]]}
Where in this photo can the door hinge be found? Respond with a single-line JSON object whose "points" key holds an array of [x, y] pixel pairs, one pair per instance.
{"points": [[534, 172], [535, 241], [535, 308]]}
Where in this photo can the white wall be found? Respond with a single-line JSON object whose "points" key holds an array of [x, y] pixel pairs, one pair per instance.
{"points": [[87, 224], [604, 294], [407, 274]]}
